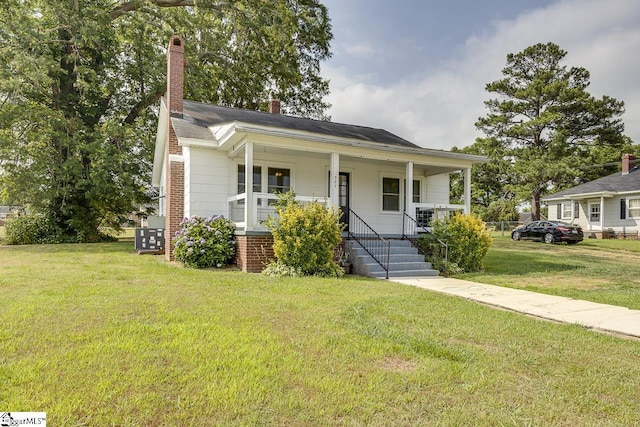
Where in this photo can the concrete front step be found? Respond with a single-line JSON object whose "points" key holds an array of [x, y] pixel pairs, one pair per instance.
{"points": [[394, 250], [404, 261], [372, 265], [410, 273]]}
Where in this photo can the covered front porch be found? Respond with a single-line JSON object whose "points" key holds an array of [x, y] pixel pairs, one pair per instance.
{"points": [[602, 215], [381, 186]]}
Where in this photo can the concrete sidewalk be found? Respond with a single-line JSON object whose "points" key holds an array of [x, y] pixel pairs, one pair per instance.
{"points": [[601, 317]]}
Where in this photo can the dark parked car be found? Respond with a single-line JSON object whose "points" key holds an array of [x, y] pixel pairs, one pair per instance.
{"points": [[549, 232]]}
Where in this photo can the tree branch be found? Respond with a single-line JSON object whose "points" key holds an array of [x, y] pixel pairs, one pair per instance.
{"points": [[137, 4], [150, 99]]}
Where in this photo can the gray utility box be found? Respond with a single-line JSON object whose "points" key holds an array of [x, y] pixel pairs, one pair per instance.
{"points": [[150, 240]]}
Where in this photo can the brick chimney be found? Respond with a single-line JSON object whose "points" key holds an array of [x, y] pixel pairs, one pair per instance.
{"points": [[175, 74], [174, 162], [274, 106], [628, 163]]}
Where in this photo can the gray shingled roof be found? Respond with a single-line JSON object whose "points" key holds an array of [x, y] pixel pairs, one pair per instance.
{"points": [[198, 116], [614, 183]]}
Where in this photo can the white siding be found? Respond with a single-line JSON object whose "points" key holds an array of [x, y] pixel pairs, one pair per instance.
{"points": [[162, 199], [186, 155], [366, 194], [610, 213], [211, 176], [612, 216], [207, 177], [438, 189]]}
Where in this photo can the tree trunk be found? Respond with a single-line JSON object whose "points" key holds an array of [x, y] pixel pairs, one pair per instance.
{"points": [[535, 206]]}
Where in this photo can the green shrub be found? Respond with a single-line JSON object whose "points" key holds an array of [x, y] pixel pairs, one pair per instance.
{"points": [[43, 229], [205, 242], [467, 239], [305, 237], [278, 269], [31, 229]]}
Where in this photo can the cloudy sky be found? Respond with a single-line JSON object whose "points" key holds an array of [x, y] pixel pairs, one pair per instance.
{"points": [[418, 68]]}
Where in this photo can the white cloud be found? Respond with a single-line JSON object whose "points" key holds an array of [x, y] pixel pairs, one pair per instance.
{"points": [[360, 49], [439, 110]]}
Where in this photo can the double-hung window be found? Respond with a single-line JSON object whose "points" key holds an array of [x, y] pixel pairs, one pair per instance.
{"points": [[567, 210], [594, 212], [416, 191], [391, 194], [257, 179], [634, 208], [279, 180]]}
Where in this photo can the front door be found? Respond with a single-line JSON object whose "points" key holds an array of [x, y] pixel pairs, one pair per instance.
{"points": [[343, 196]]}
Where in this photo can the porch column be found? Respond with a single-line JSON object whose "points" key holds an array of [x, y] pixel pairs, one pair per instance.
{"points": [[602, 213], [410, 208], [248, 185], [334, 184], [467, 190]]}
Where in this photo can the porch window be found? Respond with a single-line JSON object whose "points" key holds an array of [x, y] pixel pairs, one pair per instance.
{"points": [[634, 208], [416, 191], [567, 211], [391, 194], [257, 179], [594, 212], [279, 180]]}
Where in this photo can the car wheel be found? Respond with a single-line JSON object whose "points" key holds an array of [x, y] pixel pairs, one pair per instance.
{"points": [[548, 238], [572, 242], [515, 235]]}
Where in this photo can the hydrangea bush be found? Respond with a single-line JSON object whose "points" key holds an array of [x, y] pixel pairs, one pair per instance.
{"points": [[205, 242]]}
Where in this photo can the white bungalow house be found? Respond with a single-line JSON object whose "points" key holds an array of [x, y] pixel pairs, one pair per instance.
{"points": [[213, 160], [611, 203]]}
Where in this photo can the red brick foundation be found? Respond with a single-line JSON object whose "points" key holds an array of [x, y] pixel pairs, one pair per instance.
{"points": [[253, 252]]}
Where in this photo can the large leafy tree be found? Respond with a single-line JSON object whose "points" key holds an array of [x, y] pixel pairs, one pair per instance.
{"points": [[80, 82], [546, 128], [491, 196]]}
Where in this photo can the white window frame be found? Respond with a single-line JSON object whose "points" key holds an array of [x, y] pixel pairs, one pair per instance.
{"points": [[264, 174], [635, 209], [402, 202], [277, 187], [384, 176], [238, 183], [592, 204], [567, 213], [417, 180]]}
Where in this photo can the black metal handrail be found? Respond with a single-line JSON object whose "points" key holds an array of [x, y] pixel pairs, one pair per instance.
{"points": [[376, 246], [411, 231]]}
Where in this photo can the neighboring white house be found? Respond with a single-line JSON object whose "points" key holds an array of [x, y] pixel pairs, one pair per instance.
{"points": [[212, 160], [6, 212], [608, 203]]}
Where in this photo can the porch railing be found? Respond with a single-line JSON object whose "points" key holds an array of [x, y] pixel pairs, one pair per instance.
{"points": [[427, 212], [262, 207], [370, 240], [412, 230]]}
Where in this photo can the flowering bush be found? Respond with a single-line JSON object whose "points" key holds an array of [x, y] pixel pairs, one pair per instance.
{"points": [[205, 242]]}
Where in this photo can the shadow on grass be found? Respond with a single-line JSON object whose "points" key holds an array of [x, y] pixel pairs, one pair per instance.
{"points": [[115, 247]]}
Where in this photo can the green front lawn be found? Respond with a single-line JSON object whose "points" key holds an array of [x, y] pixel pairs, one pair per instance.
{"points": [[604, 271], [97, 335]]}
